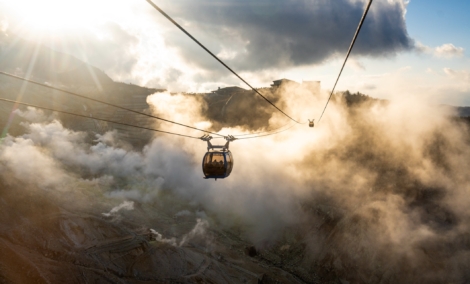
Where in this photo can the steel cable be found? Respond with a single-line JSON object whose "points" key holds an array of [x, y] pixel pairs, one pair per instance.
{"points": [[216, 58], [347, 55], [105, 103], [258, 136], [100, 119]]}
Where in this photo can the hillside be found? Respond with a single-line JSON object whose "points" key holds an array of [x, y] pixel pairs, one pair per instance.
{"points": [[44, 65]]}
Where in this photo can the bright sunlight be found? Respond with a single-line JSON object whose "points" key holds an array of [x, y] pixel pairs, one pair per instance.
{"points": [[59, 15]]}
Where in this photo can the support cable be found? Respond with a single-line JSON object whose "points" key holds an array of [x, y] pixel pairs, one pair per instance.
{"points": [[106, 103], [101, 119], [347, 55], [216, 58], [262, 132], [110, 121], [268, 134]]}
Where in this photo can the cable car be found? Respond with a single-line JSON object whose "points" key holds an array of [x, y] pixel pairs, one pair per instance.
{"points": [[310, 123], [217, 163]]}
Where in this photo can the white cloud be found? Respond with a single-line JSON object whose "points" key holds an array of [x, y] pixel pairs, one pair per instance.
{"points": [[367, 86], [34, 115], [421, 48], [448, 50], [404, 69], [3, 25], [126, 205], [461, 75], [199, 230], [356, 64], [24, 159]]}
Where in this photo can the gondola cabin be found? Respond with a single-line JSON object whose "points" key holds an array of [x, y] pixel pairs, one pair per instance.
{"points": [[217, 163], [310, 123]]}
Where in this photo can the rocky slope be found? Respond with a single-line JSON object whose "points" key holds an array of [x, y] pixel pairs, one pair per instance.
{"points": [[46, 239]]}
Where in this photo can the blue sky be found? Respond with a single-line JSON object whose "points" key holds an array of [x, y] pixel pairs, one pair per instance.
{"points": [[416, 48], [435, 79], [437, 21]]}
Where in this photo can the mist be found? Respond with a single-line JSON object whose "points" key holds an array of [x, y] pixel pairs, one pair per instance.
{"points": [[377, 191]]}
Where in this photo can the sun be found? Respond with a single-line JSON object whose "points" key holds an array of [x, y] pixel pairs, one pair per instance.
{"points": [[55, 15]]}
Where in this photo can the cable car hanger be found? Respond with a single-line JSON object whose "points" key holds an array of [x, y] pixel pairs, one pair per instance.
{"points": [[224, 148]]}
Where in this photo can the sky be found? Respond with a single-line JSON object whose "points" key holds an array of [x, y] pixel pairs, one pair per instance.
{"points": [[413, 48]]}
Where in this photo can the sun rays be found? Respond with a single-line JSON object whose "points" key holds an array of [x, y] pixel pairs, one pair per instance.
{"points": [[57, 15]]}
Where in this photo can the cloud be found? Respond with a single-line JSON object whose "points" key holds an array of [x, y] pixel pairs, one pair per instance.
{"points": [[447, 50], [405, 69], [375, 183], [199, 231], [367, 86], [159, 238], [108, 46], [3, 25], [183, 213], [144, 192], [357, 65], [126, 205], [461, 75], [265, 34], [421, 48], [138, 45], [460, 80], [34, 115], [23, 158]]}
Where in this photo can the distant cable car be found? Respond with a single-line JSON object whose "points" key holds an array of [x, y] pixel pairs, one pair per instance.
{"points": [[310, 123], [217, 163]]}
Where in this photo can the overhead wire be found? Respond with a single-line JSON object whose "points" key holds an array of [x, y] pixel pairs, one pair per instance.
{"points": [[113, 105], [269, 134], [103, 102], [106, 103], [347, 55], [96, 118], [261, 132], [248, 134], [216, 58]]}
